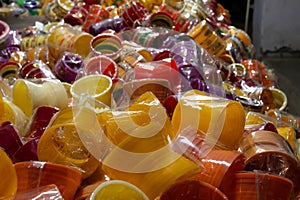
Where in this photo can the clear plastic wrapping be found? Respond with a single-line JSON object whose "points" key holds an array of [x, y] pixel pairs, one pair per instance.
{"points": [[269, 152], [40, 193], [35, 174], [154, 94]]}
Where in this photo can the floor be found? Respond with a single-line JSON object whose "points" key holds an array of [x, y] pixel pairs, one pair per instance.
{"points": [[287, 70]]}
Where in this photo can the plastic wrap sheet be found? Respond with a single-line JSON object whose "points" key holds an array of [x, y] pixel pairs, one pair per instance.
{"points": [[30, 94], [212, 115], [258, 185], [61, 144], [191, 189], [43, 192], [130, 136], [9, 182], [256, 121], [35, 176], [142, 134], [12, 113], [269, 152]]}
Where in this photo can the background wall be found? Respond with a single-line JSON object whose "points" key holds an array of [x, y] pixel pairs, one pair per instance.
{"points": [[276, 26], [276, 37]]}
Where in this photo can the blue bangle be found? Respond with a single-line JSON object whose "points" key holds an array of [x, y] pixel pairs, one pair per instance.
{"points": [[30, 4]]}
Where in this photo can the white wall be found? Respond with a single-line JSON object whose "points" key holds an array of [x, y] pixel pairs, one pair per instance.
{"points": [[276, 24]]}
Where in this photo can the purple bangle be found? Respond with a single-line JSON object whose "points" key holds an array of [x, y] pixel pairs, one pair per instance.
{"points": [[193, 76], [115, 24], [67, 68], [13, 39], [6, 53]]}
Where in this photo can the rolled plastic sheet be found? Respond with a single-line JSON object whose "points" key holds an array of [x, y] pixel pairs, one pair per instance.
{"points": [[6, 53], [38, 53], [43, 192], [12, 113], [195, 9], [181, 22], [279, 115], [30, 94], [222, 120], [165, 168], [162, 69], [269, 152], [279, 99], [9, 182], [258, 185], [13, 39], [240, 39], [5, 31], [140, 133], [190, 189], [220, 166], [151, 5], [147, 37], [101, 65], [35, 174], [61, 143], [259, 72], [205, 36], [96, 86], [257, 121], [66, 38]]}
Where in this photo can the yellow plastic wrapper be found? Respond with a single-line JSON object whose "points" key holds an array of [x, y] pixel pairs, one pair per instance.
{"points": [[11, 112], [255, 121], [138, 147], [222, 120], [8, 177], [61, 144], [29, 94]]}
